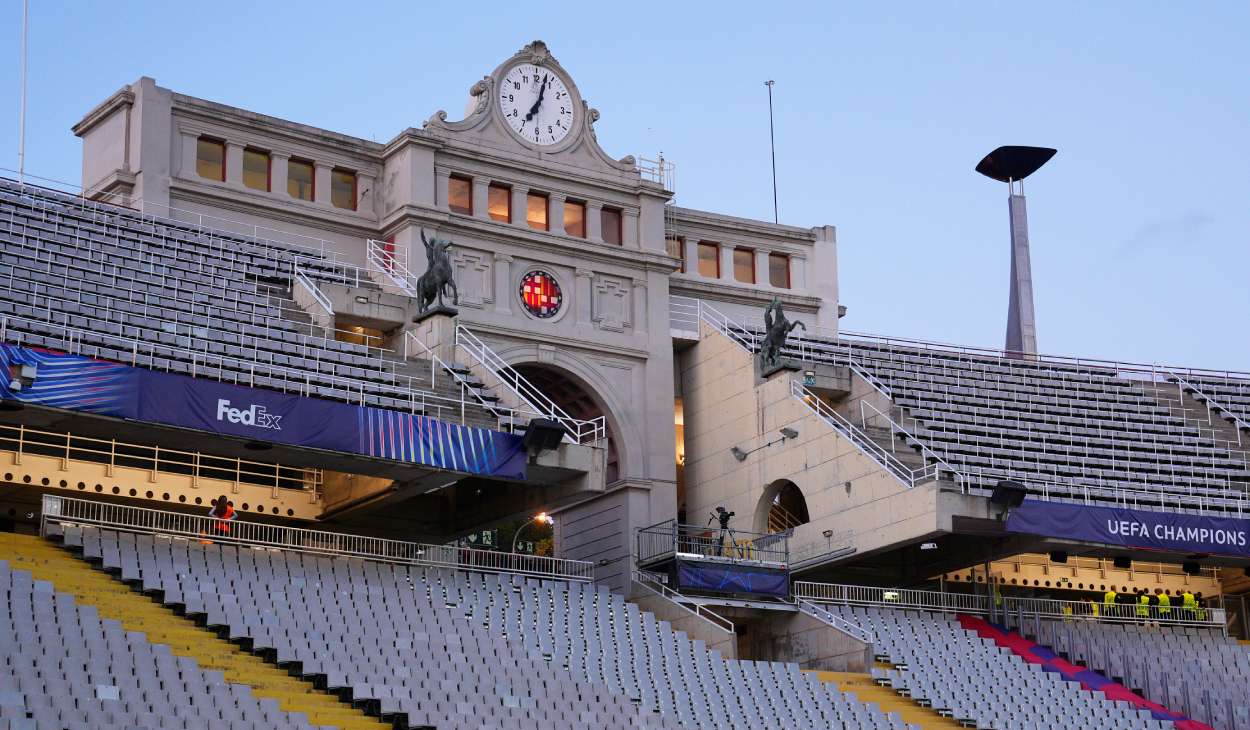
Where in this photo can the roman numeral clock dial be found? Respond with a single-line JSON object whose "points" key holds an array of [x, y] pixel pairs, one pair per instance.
{"points": [[536, 104]]}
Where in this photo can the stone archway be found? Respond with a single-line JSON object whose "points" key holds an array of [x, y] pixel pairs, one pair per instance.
{"points": [[782, 507], [571, 395]]}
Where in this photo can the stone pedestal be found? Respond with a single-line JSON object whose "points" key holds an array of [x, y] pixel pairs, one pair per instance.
{"points": [[436, 327], [784, 366]]}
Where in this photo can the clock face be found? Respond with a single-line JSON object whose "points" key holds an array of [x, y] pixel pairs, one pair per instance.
{"points": [[536, 104]]}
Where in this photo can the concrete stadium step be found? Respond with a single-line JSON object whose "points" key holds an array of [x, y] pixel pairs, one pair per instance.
{"points": [[1195, 414], [136, 612], [866, 692]]}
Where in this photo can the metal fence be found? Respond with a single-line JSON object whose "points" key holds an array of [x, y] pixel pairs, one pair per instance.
{"points": [[670, 538], [1012, 607], [124, 518]]}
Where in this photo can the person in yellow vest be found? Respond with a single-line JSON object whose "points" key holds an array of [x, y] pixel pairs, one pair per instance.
{"points": [[1189, 605], [1108, 602], [1200, 606], [1093, 609], [1165, 604], [1066, 610], [1143, 606]]}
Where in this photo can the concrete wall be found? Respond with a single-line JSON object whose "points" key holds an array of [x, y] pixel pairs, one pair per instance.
{"points": [[811, 643], [847, 493]]}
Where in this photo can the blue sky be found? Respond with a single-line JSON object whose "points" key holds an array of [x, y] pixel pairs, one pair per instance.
{"points": [[1140, 225]]}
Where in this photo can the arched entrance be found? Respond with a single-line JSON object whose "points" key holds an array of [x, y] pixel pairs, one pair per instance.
{"points": [[576, 401], [782, 507]]}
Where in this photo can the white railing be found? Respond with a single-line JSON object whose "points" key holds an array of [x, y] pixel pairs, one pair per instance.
{"points": [[123, 518], [930, 456], [677, 599], [581, 431], [22, 440], [1211, 404], [242, 372], [391, 263], [851, 629], [907, 476], [659, 170], [309, 286], [1012, 606]]}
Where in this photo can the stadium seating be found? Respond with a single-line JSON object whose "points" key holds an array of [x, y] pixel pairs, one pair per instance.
{"points": [[1229, 397], [952, 669], [1084, 431], [67, 668], [456, 649], [1198, 671], [107, 282]]}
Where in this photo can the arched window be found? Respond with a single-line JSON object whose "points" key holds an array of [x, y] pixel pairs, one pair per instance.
{"points": [[788, 509]]}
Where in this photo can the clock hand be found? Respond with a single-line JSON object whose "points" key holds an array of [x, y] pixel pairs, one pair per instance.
{"points": [[542, 89]]}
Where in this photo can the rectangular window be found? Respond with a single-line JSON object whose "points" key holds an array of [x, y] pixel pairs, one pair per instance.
{"points": [[210, 159], [536, 211], [610, 226], [779, 270], [343, 189], [676, 247], [499, 202], [744, 265], [460, 195], [256, 169], [575, 219], [299, 179], [709, 260]]}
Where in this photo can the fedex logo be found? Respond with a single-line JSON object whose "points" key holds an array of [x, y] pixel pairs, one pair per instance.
{"points": [[252, 416]]}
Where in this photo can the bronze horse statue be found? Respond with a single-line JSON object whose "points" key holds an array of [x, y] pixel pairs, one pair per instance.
{"points": [[776, 329], [437, 276]]}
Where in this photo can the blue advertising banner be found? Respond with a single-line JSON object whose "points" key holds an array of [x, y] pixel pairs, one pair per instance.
{"points": [[733, 578], [79, 383], [1132, 528]]}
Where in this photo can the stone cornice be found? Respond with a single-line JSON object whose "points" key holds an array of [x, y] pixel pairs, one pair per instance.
{"points": [[273, 208], [733, 224], [526, 338], [412, 136], [732, 294], [120, 98]]}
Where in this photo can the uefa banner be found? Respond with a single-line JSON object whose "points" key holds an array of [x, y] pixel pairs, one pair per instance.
{"points": [[111, 389], [732, 578], [1132, 528]]}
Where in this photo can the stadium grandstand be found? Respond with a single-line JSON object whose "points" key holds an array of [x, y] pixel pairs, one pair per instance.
{"points": [[477, 428]]}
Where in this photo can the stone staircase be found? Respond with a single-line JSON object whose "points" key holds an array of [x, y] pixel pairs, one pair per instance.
{"points": [[136, 612], [862, 688], [1195, 413]]}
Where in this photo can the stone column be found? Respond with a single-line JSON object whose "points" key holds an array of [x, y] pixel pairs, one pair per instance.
{"points": [[278, 172], [692, 255], [639, 313], [366, 193], [234, 164], [480, 198], [594, 222], [629, 229], [442, 176], [189, 144], [761, 267], [519, 195], [555, 213], [798, 273], [503, 283], [585, 278], [321, 186], [727, 262]]}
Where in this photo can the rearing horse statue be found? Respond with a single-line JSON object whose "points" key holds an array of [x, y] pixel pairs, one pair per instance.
{"points": [[437, 276], [776, 329]]}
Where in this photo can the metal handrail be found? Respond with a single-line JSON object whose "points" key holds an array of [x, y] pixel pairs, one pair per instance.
{"points": [[124, 518], [318, 296], [389, 265], [699, 609], [582, 431], [887, 461], [245, 371], [1184, 384], [850, 628], [24, 440], [909, 598], [925, 451]]}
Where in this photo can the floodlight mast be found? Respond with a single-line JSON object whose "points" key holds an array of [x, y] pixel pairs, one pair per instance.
{"points": [[1012, 164]]}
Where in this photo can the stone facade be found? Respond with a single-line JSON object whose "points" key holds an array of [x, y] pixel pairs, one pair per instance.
{"points": [[611, 337]]}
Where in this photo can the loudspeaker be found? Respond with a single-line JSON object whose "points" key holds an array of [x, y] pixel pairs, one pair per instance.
{"points": [[1058, 556], [1123, 562], [1008, 493], [1191, 568], [543, 434]]}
